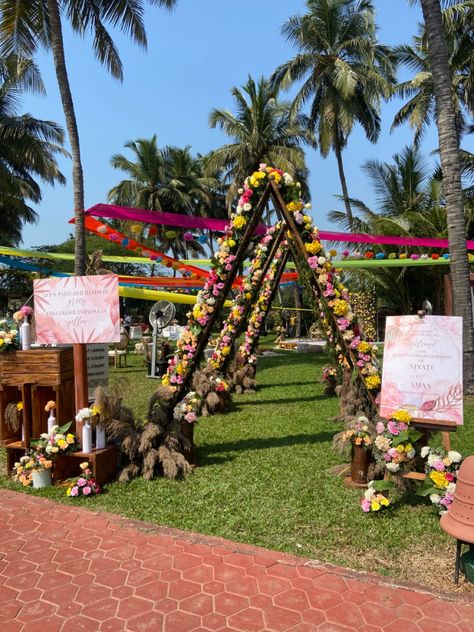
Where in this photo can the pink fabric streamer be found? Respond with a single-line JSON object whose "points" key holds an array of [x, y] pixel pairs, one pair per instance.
{"points": [[218, 225]]}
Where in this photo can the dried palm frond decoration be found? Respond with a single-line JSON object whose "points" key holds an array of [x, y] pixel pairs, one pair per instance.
{"points": [[155, 446], [353, 397], [243, 378], [95, 264], [13, 416], [212, 390]]}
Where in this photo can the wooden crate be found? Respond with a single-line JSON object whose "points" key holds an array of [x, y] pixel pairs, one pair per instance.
{"points": [[103, 464], [47, 367]]}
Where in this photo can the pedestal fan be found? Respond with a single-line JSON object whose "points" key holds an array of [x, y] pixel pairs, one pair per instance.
{"points": [[161, 314]]}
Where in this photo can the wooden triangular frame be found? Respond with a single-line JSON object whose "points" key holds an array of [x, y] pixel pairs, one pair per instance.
{"points": [[300, 256]]}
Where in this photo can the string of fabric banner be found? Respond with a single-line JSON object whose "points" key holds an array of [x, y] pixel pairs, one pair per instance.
{"points": [[218, 225]]}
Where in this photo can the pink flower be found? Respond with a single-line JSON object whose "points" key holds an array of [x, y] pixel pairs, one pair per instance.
{"points": [[86, 491], [343, 323], [313, 262], [449, 477], [81, 482], [393, 428], [365, 504], [74, 491], [438, 466], [380, 427], [190, 417], [345, 253], [392, 453]]}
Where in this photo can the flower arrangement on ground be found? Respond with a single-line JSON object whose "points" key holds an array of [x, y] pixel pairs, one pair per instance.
{"points": [[84, 485], [34, 460], [441, 471], [373, 500], [394, 445], [9, 338], [57, 441]]}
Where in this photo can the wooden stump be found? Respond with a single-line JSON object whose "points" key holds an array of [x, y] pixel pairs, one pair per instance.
{"points": [[359, 464], [187, 430]]}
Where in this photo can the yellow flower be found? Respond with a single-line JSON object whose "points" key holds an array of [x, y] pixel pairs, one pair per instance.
{"points": [[364, 347], [372, 381], [333, 253], [385, 502], [294, 206], [231, 243], [225, 351], [400, 449], [179, 369], [239, 221], [68, 491], [408, 447], [375, 505], [84, 465], [307, 219], [340, 307], [439, 479], [165, 380], [95, 410], [402, 416], [19, 406], [313, 248], [2, 341], [62, 444]]}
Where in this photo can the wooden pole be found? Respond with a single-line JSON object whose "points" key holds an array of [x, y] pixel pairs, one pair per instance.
{"points": [[80, 383]]}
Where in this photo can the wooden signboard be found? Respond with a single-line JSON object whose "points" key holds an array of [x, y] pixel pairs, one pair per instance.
{"points": [[422, 370]]}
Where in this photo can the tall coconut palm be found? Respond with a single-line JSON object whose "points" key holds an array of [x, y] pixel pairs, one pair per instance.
{"points": [[344, 73], [263, 130], [26, 23], [168, 179], [450, 165], [28, 149], [419, 110]]}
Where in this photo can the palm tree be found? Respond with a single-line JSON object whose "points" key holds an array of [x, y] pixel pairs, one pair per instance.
{"points": [[168, 179], [450, 165], [409, 203], [419, 110], [26, 23], [263, 130], [28, 149], [344, 71]]}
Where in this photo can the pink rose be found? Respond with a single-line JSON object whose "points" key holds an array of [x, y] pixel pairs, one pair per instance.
{"points": [[380, 427], [393, 428], [81, 482], [86, 491], [365, 504], [74, 491], [190, 417], [438, 466]]}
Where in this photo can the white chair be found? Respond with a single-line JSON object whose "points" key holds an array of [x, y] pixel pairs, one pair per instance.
{"points": [[119, 351]]}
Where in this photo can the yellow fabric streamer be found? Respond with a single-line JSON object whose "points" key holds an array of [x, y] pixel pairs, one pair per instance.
{"points": [[156, 295]]}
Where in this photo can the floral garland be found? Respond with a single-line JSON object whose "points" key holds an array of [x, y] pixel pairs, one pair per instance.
{"points": [[259, 312], [221, 264], [234, 320], [441, 472], [336, 310]]}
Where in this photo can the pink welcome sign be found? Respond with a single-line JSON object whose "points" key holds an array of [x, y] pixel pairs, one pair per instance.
{"points": [[77, 309], [422, 367]]}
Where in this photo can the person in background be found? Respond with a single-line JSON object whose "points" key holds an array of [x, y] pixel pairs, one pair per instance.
{"points": [[127, 323]]}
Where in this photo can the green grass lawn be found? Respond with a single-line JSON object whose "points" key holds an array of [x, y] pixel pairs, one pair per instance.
{"points": [[264, 478]]}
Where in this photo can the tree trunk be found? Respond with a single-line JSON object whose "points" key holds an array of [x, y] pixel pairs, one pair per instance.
{"points": [[449, 155], [342, 177], [57, 46]]}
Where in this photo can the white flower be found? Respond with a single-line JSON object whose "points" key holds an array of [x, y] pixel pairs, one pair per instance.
{"points": [[240, 191], [435, 498], [308, 205], [321, 260], [411, 454], [369, 493], [450, 489], [432, 459], [287, 178], [425, 450], [392, 467], [247, 207], [44, 435], [454, 456], [84, 413], [362, 419], [49, 449]]}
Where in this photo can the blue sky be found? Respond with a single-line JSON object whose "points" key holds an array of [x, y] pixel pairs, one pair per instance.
{"points": [[195, 56]]}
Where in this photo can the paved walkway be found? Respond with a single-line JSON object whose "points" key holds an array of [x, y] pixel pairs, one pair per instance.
{"points": [[67, 568]]}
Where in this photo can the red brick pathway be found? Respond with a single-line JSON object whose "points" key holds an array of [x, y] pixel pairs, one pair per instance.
{"points": [[67, 568]]}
